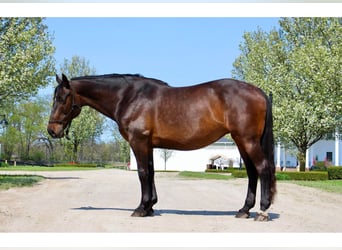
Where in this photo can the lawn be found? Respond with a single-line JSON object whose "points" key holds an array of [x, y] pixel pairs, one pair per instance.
{"points": [[201, 175], [329, 185], [9, 181], [55, 168]]}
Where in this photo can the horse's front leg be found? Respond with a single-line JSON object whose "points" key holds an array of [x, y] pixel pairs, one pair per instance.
{"points": [[144, 157]]}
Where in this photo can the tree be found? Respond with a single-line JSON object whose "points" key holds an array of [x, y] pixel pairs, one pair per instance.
{"points": [[301, 65], [166, 155], [26, 125], [89, 124], [26, 58], [122, 144]]}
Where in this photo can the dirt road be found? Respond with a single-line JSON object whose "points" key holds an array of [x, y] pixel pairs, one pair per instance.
{"points": [[103, 200]]}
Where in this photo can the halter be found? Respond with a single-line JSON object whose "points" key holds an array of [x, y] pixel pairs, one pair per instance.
{"points": [[62, 121]]}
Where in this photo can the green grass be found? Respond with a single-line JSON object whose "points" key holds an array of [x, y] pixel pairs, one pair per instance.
{"points": [[9, 181], [334, 186], [37, 168], [201, 175]]}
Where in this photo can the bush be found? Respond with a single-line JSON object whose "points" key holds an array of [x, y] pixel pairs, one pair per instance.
{"points": [[303, 176], [334, 173], [320, 164], [283, 177], [239, 174], [83, 165], [318, 168], [3, 165]]}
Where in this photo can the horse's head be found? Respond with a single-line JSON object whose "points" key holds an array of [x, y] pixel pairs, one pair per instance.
{"points": [[64, 108]]}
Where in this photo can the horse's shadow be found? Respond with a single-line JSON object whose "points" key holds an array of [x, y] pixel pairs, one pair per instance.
{"points": [[160, 212]]}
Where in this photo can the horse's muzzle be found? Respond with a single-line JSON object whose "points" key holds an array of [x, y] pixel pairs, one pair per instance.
{"points": [[55, 131]]}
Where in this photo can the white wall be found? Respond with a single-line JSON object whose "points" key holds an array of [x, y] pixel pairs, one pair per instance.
{"points": [[320, 150], [197, 160], [194, 160]]}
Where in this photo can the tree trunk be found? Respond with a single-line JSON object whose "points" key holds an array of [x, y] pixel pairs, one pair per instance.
{"points": [[75, 150], [301, 159]]}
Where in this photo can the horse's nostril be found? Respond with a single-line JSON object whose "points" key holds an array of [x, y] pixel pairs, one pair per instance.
{"points": [[51, 132]]}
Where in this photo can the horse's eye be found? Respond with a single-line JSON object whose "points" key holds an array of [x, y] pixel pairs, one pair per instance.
{"points": [[58, 99]]}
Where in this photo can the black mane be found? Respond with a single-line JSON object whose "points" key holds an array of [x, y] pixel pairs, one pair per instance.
{"points": [[109, 78], [106, 76]]}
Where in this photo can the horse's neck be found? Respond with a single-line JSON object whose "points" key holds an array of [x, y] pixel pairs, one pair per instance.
{"points": [[97, 96]]}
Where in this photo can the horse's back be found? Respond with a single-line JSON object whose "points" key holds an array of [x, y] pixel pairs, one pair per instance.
{"points": [[195, 116]]}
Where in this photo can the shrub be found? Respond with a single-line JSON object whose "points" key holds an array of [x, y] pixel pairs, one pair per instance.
{"points": [[3, 165], [239, 174], [303, 176], [320, 164], [334, 173], [283, 177], [83, 165], [318, 168]]}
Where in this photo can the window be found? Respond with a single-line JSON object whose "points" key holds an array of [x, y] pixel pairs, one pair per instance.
{"points": [[329, 156]]}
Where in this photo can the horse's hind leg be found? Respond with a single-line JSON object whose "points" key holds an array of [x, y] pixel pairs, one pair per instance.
{"points": [[256, 166], [252, 186], [263, 169], [265, 175]]}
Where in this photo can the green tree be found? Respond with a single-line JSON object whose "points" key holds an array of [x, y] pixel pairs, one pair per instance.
{"points": [[26, 58], [26, 125], [123, 152], [33, 122], [301, 65], [89, 124]]}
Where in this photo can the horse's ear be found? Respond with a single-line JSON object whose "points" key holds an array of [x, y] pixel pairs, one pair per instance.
{"points": [[59, 80], [65, 82]]}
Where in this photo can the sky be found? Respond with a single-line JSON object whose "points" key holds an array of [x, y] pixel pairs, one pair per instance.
{"points": [[179, 51]]}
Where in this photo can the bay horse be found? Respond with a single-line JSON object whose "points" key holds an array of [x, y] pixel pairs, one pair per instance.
{"points": [[151, 114]]}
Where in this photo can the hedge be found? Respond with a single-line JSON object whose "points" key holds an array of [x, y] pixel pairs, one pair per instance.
{"points": [[239, 174], [85, 165], [3, 165], [334, 173], [303, 176]]}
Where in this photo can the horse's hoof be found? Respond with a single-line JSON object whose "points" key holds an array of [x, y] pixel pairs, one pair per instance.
{"points": [[150, 212], [139, 212], [242, 215], [262, 216]]}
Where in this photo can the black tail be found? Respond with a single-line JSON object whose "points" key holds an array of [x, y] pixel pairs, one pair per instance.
{"points": [[267, 144]]}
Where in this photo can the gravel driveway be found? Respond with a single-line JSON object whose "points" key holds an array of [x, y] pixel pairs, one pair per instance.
{"points": [[103, 200]]}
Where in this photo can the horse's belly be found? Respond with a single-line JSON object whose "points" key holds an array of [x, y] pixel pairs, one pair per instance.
{"points": [[181, 139]]}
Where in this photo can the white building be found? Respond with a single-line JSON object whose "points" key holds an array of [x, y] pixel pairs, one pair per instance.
{"points": [[221, 153], [224, 153], [326, 150]]}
